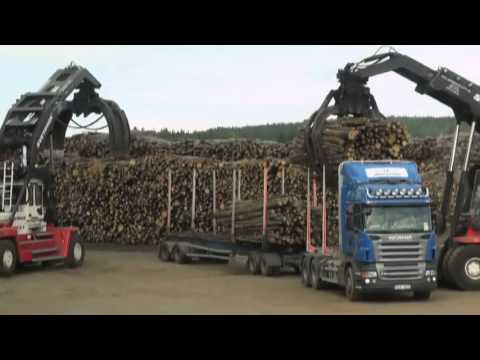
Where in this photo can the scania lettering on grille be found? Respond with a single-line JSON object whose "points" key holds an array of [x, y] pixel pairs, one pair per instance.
{"points": [[400, 237]]}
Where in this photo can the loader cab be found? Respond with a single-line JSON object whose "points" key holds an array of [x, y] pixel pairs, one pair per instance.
{"points": [[30, 213]]}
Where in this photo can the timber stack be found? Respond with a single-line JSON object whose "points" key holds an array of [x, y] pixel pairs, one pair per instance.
{"points": [[127, 201]]}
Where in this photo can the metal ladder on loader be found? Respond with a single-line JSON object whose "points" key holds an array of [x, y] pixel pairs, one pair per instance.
{"points": [[7, 186]]}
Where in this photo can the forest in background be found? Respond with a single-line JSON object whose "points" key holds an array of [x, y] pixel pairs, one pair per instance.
{"points": [[284, 132]]}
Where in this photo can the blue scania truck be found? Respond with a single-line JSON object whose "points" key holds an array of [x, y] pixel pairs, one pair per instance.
{"points": [[386, 241]]}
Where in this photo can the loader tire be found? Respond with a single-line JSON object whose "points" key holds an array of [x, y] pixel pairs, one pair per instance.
{"points": [[446, 278], [8, 258], [464, 267], [76, 252]]}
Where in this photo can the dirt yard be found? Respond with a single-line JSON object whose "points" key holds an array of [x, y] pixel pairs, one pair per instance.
{"points": [[120, 282]]}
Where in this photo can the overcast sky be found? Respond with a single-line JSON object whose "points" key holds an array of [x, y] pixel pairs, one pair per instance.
{"points": [[199, 87]]}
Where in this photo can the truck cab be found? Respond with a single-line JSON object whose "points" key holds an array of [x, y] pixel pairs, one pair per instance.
{"points": [[386, 241]]}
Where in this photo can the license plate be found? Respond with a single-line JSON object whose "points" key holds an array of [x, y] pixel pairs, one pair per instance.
{"points": [[402, 287]]}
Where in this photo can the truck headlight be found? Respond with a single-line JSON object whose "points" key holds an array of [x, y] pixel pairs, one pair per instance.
{"points": [[369, 274]]}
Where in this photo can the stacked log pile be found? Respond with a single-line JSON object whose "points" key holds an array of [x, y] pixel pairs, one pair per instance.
{"points": [[127, 201], [350, 139], [96, 146]]}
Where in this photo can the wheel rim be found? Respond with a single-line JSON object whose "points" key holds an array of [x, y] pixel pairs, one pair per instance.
{"points": [[472, 268], [77, 251], [7, 259]]}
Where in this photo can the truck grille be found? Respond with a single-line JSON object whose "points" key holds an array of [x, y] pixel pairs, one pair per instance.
{"points": [[400, 259]]}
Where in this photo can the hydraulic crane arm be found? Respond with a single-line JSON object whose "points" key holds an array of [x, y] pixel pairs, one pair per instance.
{"points": [[353, 98], [445, 86], [38, 121]]}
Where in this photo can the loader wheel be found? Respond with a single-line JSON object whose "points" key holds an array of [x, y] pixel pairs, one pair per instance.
{"points": [[351, 292], [306, 273], [464, 267], [163, 253], [253, 264], [266, 269], [76, 252], [446, 277], [179, 255], [8, 258]]}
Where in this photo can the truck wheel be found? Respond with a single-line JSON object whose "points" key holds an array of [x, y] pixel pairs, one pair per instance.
{"points": [[266, 269], [179, 255], [76, 252], [8, 258], [306, 273], [464, 267], [317, 282], [351, 292], [253, 264], [446, 277], [421, 295], [163, 253]]}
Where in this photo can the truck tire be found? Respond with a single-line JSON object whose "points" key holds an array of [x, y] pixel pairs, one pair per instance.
{"points": [[317, 282], [464, 267], [446, 278], [163, 253], [253, 264], [179, 255], [8, 258], [421, 295], [351, 292], [306, 273], [266, 269], [76, 252]]}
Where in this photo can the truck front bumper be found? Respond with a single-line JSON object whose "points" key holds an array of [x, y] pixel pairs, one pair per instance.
{"points": [[385, 286], [376, 285]]}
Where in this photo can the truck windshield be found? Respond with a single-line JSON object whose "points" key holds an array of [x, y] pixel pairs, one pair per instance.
{"points": [[389, 219]]}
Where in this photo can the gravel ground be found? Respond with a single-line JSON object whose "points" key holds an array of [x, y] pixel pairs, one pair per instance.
{"points": [[125, 282]]}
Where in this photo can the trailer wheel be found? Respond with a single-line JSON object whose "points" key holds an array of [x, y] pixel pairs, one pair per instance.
{"points": [[317, 282], [464, 267], [179, 255], [253, 264], [8, 258], [351, 292], [266, 269], [421, 295], [76, 252], [163, 253], [306, 273]]}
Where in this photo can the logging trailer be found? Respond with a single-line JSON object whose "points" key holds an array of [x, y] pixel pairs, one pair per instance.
{"points": [[258, 257], [31, 138], [458, 258]]}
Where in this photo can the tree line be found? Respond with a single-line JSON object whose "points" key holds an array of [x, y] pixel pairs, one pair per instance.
{"points": [[285, 132]]}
